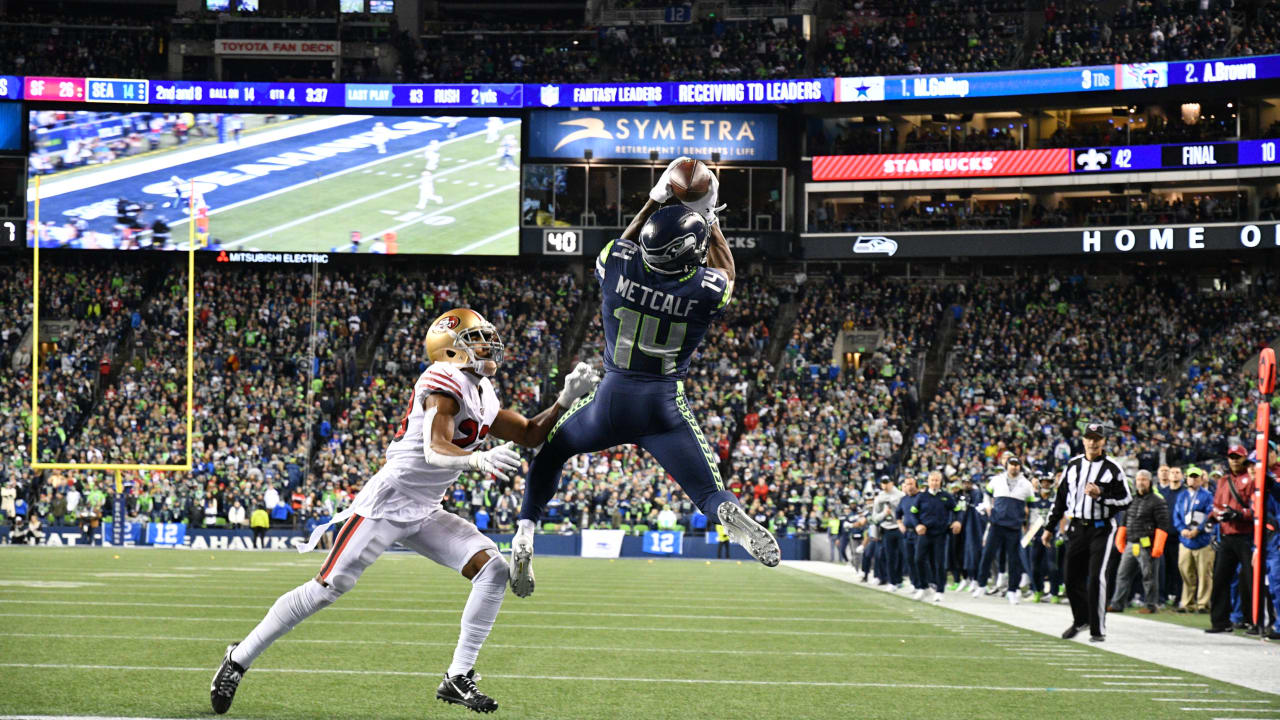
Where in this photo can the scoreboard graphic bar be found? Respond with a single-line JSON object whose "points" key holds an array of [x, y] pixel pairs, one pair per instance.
{"points": [[878, 88]]}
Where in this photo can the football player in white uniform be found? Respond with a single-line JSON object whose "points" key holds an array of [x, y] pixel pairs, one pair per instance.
{"points": [[427, 190], [432, 155], [507, 153], [452, 410]]}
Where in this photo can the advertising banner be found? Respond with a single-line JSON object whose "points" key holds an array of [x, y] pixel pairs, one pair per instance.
{"points": [[601, 543], [664, 542], [1145, 239], [911, 166], [614, 135], [278, 48]]}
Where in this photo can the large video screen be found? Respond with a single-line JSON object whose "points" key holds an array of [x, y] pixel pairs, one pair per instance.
{"points": [[287, 183]]}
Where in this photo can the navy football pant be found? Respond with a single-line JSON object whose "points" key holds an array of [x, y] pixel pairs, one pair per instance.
{"points": [[651, 414]]}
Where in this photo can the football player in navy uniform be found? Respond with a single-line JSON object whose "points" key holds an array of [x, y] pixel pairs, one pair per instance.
{"points": [[664, 282]]}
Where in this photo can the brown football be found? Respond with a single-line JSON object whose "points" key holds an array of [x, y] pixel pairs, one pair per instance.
{"points": [[690, 180]]}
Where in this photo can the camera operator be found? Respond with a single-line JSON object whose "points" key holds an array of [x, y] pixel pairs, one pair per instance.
{"points": [[1234, 516]]}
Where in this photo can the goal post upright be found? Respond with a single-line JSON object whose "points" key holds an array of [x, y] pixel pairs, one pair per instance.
{"points": [[117, 468]]}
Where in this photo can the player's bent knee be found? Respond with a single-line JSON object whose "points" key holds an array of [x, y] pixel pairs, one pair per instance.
{"points": [[337, 584], [489, 558]]}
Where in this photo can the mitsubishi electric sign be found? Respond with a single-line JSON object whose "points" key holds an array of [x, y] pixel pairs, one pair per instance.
{"points": [[613, 135]]}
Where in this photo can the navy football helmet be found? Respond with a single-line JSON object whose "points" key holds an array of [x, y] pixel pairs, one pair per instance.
{"points": [[674, 239]]}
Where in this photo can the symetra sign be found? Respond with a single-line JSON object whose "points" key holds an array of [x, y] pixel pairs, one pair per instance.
{"points": [[615, 135]]}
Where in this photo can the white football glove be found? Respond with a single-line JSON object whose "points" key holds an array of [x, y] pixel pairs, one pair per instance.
{"points": [[706, 206], [502, 461], [661, 191], [576, 384]]}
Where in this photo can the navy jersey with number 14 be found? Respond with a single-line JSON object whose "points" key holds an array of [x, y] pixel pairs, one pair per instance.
{"points": [[654, 322]]}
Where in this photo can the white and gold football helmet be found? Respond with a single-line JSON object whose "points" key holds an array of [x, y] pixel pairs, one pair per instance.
{"points": [[464, 338]]}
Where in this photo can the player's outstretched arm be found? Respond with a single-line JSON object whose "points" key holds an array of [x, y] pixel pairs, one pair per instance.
{"points": [[532, 432], [719, 256], [439, 450], [633, 230]]}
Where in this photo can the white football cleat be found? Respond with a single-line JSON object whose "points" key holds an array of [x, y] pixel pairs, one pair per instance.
{"points": [[522, 561], [748, 533], [979, 591], [891, 587], [1013, 597], [937, 598], [918, 595]]}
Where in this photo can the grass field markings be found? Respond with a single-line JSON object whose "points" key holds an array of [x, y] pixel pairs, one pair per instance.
{"points": [[337, 173], [381, 172], [1132, 676], [455, 206], [1229, 709], [575, 678], [565, 613], [517, 646], [83, 717], [50, 585], [412, 597], [1154, 684], [1210, 700], [485, 241], [417, 216], [286, 584], [502, 624]]}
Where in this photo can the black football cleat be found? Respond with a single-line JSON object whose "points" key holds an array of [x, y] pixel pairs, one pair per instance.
{"points": [[462, 690], [1073, 631], [1097, 638], [223, 689]]}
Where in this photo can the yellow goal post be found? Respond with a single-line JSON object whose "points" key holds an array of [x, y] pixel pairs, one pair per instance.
{"points": [[118, 468]]}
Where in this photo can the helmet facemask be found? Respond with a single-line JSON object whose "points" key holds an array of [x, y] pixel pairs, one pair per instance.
{"points": [[482, 347]]}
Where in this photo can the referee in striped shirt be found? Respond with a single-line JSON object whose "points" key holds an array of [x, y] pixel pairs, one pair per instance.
{"points": [[1091, 491]]}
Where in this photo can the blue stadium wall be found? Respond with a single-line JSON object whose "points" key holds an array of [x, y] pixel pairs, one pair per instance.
{"points": [[793, 548]]}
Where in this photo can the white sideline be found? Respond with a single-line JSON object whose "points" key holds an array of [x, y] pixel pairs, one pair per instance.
{"points": [[582, 678], [1238, 661]]}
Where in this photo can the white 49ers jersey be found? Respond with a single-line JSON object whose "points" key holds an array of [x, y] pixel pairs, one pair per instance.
{"points": [[477, 408]]}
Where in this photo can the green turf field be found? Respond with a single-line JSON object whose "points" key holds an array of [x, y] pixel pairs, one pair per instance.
{"points": [[478, 213], [140, 632]]}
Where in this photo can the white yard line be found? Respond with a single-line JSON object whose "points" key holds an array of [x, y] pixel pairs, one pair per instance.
{"points": [[454, 624], [83, 179], [486, 241], [345, 205], [454, 611], [579, 678], [83, 717], [1209, 700], [322, 178], [455, 206], [508, 646], [1237, 661], [1228, 709]]}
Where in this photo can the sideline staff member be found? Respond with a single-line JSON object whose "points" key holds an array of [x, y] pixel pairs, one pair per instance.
{"points": [[1091, 491]]}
